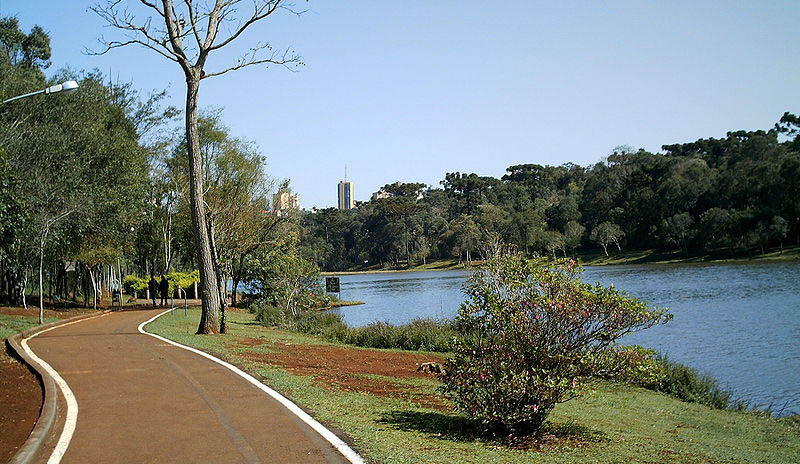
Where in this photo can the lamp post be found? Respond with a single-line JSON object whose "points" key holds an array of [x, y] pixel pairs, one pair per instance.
{"points": [[63, 87]]}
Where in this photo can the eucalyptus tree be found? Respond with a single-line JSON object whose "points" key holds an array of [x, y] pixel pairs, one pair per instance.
{"points": [[236, 196], [187, 33]]}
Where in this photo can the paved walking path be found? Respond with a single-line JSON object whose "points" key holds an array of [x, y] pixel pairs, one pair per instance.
{"points": [[143, 400]]}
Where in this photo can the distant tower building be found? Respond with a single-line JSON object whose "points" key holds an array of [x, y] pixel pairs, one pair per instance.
{"points": [[346, 193], [285, 200]]}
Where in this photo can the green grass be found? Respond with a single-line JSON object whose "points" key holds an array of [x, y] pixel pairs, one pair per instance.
{"points": [[436, 265], [598, 258], [595, 258], [611, 423], [10, 325]]}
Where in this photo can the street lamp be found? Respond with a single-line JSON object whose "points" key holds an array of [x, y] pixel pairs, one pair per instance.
{"points": [[63, 87]]}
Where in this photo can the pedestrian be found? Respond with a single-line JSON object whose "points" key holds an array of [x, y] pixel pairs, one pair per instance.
{"points": [[164, 287], [152, 286]]}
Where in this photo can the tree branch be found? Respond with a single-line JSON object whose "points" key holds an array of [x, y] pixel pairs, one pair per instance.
{"points": [[260, 12], [152, 38], [287, 58]]}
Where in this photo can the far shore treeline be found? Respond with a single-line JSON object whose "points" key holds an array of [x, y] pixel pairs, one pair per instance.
{"points": [[739, 194]]}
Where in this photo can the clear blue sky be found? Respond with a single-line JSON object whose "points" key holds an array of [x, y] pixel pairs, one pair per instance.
{"points": [[410, 90]]}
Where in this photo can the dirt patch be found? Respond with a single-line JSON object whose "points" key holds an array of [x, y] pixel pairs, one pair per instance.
{"points": [[347, 369], [247, 341], [21, 400]]}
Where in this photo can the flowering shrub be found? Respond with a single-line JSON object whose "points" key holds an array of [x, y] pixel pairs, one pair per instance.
{"points": [[528, 334]]}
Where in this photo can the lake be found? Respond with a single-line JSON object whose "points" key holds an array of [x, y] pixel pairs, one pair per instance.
{"points": [[739, 323]]}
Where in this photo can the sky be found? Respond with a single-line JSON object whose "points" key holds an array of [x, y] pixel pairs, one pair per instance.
{"points": [[408, 91]]}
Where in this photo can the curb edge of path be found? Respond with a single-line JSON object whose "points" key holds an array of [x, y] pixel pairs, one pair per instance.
{"points": [[47, 415], [339, 444]]}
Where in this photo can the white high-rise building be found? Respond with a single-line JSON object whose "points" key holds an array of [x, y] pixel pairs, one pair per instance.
{"points": [[285, 200]]}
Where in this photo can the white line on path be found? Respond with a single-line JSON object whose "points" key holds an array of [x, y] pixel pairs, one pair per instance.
{"points": [[72, 404], [337, 442]]}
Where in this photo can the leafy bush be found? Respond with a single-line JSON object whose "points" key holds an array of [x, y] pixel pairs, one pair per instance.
{"points": [[182, 280], [528, 333], [286, 279], [646, 368], [131, 283], [687, 384], [631, 364]]}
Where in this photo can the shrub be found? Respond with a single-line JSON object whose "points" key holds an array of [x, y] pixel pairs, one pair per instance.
{"points": [[687, 384], [268, 315], [182, 280], [132, 283], [631, 364], [647, 368], [528, 333], [421, 334]]}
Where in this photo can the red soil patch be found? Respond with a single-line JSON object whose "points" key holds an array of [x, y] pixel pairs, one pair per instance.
{"points": [[345, 369], [20, 391], [252, 341], [21, 400]]}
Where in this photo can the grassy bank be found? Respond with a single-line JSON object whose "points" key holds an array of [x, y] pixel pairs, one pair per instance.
{"points": [[660, 257], [598, 258], [437, 265], [395, 415]]}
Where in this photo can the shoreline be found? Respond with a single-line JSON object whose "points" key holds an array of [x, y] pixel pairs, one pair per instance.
{"points": [[789, 254], [340, 304]]}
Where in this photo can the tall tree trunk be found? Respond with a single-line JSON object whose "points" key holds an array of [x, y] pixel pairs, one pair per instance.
{"points": [[42, 240], [209, 320], [235, 292], [94, 289], [24, 287], [220, 278]]}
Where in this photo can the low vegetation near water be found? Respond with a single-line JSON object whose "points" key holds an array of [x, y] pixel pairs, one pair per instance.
{"points": [[633, 365], [401, 418], [506, 327], [421, 334]]}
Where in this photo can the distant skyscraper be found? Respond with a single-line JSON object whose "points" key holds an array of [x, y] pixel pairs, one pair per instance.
{"points": [[346, 195]]}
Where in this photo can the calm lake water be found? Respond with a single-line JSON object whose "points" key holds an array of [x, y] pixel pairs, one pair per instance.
{"points": [[739, 323]]}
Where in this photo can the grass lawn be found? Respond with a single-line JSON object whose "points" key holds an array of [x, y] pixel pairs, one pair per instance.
{"points": [[13, 324], [659, 257], [394, 415]]}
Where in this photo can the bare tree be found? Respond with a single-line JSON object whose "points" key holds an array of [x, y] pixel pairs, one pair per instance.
{"points": [[186, 32]]}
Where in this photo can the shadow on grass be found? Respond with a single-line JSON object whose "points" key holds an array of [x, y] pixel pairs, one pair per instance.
{"points": [[439, 425], [461, 429]]}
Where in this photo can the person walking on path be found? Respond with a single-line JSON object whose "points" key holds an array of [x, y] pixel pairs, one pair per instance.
{"points": [[164, 287], [152, 286]]}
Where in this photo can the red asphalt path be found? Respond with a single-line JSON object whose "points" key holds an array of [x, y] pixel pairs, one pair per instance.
{"points": [[143, 400]]}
